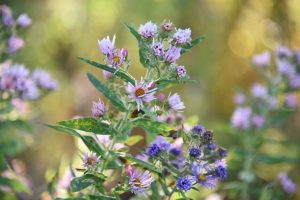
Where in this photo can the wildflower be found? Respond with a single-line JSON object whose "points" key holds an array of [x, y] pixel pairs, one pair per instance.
{"points": [[5, 13], [290, 100], [23, 20], [148, 30], [158, 49], [259, 91], [175, 102], [107, 74], [167, 26], [203, 176], [90, 159], [287, 184], [106, 45], [140, 93], [65, 181], [140, 181], [211, 146], [44, 80], [184, 183], [262, 60], [175, 151], [98, 108], [172, 54], [105, 142], [182, 36], [285, 68], [208, 136], [161, 97], [153, 150], [221, 172], [239, 99], [241, 118], [31, 92], [197, 130], [116, 57], [162, 143], [195, 152], [295, 82], [181, 71], [283, 52], [14, 44], [258, 121], [143, 157], [222, 152], [128, 170]]}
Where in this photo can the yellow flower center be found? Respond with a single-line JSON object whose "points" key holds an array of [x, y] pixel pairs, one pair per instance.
{"points": [[90, 160], [116, 59], [137, 182], [202, 177], [139, 92]]}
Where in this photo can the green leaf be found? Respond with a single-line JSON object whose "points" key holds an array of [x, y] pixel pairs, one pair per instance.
{"points": [[90, 125], [119, 73], [281, 116], [134, 32], [87, 140], [132, 140], [275, 159], [155, 192], [113, 98], [164, 83], [101, 197], [187, 47], [3, 164], [164, 187], [15, 185], [19, 124], [139, 162], [169, 167], [152, 127], [82, 182]]}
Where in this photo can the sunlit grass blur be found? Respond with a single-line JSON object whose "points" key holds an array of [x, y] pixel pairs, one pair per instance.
{"points": [[66, 29]]}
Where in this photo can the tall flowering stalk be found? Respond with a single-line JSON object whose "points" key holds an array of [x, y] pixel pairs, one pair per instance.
{"points": [[178, 156], [267, 106], [18, 87]]}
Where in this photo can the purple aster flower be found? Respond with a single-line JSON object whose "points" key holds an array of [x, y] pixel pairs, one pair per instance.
{"points": [[285, 68], [182, 36], [148, 30], [287, 184], [175, 102], [5, 13], [172, 54], [161, 97], [258, 121], [140, 181], [17, 71], [7, 83], [211, 146], [195, 152], [167, 26], [90, 160], [184, 183], [181, 71], [162, 143], [239, 99], [283, 52], [259, 91], [141, 92], [116, 57], [23, 84], [175, 151], [262, 60], [98, 108], [14, 44], [44, 80], [208, 135], [23, 20], [197, 130], [241, 118], [203, 176], [31, 92], [295, 82], [153, 150], [222, 152], [221, 172], [291, 100], [158, 49], [106, 45], [107, 74]]}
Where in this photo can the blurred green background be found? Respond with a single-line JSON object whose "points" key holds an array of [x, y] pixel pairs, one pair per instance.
{"points": [[62, 30]]}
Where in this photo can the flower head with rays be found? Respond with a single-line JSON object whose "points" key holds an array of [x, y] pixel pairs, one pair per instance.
{"points": [[106, 45], [90, 160], [141, 92], [203, 175], [139, 181]]}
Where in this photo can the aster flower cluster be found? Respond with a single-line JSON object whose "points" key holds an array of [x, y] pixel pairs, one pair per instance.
{"points": [[174, 153]]}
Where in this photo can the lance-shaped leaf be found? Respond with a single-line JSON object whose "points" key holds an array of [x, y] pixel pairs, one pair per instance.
{"points": [[120, 73], [152, 127], [139, 162], [92, 125], [187, 47], [113, 98], [82, 182], [155, 193], [87, 140]]}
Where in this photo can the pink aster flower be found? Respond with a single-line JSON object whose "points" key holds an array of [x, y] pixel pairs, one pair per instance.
{"points": [[5, 13], [141, 92], [295, 82], [140, 181], [116, 57], [258, 121], [14, 44], [259, 91], [239, 99], [262, 60], [181, 71], [90, 160], [158, 49], [291, 100], [44, 80], [161, 97], [148, 30], [98, 108], [285, 68], [241, 118], [23, 20], [182, 36], [167, 26], [106, 45], [175, 102], [287, 184], [172, 54], [107, 74]]}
